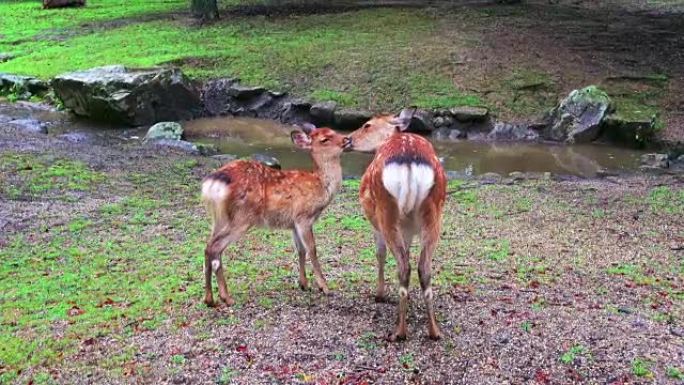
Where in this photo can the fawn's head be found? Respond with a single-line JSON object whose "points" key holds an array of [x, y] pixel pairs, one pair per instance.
{"points": [[377, 130], [323, 142]]}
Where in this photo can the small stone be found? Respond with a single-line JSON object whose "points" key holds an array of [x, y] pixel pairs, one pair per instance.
{"points": [[224, 158], [30, 125], [296, 111], [517, 176], [438, 122], [509, 131], [245, 92], [267, 160], [654, 161], [347, 119], [421, 121], [4, 57], [448, 134], [677, 331], [469, 114], [206, 149], [165, 130], [323, 114], [490, 178], [75, 137], [180, 145]]}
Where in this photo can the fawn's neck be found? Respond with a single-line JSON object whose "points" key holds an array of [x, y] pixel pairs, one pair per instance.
{"points": [[329, 171]]}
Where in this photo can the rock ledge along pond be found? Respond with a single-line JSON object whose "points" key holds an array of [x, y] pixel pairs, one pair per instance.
{"points": [[245, 136]]}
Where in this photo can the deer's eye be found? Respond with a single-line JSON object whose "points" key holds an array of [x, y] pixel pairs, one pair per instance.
{"points": [[324, 140], [366, 125]]}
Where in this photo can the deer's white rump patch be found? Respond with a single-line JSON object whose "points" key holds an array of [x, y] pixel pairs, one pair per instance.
{"points": [[408, 183]]}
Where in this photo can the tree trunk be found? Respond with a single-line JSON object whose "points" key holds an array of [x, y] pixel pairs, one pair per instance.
{"points": [[62, 3], [204, 9]]}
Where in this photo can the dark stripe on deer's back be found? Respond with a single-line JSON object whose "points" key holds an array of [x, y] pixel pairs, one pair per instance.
{"points": [[220, 176], [407, 159]]}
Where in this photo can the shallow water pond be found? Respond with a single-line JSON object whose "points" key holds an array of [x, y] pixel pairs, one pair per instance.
{"points": [[245, 136]]}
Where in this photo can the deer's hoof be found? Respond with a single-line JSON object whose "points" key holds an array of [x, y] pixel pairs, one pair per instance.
{"points": [[435, 336], [381, 298], [229, 301], [209, 302]]}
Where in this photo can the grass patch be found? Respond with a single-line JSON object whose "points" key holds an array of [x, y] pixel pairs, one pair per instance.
{"points": [[359, 59], [667, 200], [26, 176], [642, 368], [573, 353]]}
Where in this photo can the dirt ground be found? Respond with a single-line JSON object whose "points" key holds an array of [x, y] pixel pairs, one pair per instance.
{"points": [[543, 281]]}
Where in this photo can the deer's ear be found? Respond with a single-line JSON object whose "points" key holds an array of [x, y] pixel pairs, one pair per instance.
{"points": [[403, 120], [301, 139], [307, 128]]}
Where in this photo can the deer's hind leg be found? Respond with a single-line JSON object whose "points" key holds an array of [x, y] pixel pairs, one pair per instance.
{"points": [[212, 260]]}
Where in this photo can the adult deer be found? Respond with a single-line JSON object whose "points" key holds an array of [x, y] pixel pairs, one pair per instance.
{"points": [[402, 194], [245, 193]]}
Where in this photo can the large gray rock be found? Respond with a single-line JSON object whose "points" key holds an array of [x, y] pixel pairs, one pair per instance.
{"points": [[510, 131], [578, 118], [165, 130], [130, 96], [347, 119]]}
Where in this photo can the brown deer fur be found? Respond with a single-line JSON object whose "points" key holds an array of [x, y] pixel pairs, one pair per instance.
{"points": [[244, 193], [402, 193]]}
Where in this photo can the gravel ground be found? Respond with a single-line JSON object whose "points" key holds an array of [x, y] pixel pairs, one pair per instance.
{"points": [[538, 282]]}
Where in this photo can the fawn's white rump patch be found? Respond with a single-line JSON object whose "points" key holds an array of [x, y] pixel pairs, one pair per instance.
{"points": [[408, 183], [214, 190]]}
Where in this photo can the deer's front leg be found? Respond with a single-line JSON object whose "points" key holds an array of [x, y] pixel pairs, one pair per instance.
{"points": [[307, 237], [301, 253]]}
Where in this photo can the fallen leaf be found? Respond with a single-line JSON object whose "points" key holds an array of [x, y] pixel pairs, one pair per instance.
{"points": [[75, 311]]}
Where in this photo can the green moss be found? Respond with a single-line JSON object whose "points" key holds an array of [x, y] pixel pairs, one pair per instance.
{"points": [[592, 94]]}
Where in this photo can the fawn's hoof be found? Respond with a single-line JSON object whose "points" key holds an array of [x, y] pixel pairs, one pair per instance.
{"points": [[209, 302], [303, 286], [396, 337], [229, 301]]}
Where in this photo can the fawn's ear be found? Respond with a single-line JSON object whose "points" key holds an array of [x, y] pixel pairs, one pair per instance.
{"points": [[301, 139], [307, 128], [402, 121]]}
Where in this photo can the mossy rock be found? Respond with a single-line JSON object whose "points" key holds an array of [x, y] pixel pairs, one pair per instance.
{"points": [[578, 117]]}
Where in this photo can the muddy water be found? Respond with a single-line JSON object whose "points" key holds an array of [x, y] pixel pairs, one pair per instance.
{"points": [[244, 136]]}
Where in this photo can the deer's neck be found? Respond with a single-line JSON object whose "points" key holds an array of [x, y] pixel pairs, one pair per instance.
{"points": [[329, 171]]}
